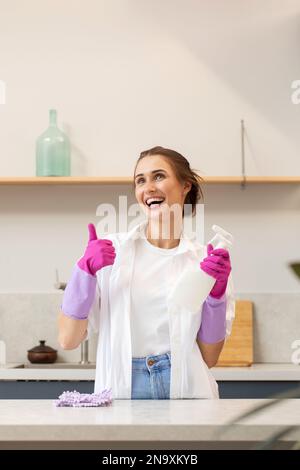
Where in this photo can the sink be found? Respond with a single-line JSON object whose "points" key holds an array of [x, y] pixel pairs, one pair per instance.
{"points": [[57, 365]]}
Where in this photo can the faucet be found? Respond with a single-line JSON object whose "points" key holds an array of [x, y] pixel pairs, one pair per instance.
{"points": [[84, 345], [84, 352]]}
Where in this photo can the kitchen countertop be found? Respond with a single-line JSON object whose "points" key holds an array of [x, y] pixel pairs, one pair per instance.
{"points": [[259, 372], [39, 424]]}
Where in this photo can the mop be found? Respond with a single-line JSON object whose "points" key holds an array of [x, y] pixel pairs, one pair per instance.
{"points": [[77, 399]]}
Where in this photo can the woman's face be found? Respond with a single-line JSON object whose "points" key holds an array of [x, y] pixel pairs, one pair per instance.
{"points": [[156, 185]]}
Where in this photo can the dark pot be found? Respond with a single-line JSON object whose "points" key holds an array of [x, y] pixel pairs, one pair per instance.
{"points": [[42, 354]]}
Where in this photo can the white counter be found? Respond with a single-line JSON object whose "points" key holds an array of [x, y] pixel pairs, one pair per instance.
{"points": [[260, 372], [39, 424]]}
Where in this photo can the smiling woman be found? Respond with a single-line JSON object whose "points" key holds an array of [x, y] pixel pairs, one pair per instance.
{"points": [[150, 347], [165, 183], [178, 167]]}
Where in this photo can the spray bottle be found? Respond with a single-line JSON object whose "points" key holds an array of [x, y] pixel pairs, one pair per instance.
{"points": [[194, 285]]}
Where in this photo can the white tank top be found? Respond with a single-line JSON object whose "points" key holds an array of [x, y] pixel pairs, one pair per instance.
{"points": [[150, 287]]}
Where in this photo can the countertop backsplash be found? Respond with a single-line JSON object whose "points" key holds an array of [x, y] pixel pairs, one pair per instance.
{"points": [[276, 325], [26, 318]]}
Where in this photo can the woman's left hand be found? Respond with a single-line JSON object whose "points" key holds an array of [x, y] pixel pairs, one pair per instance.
{"points": [[217, 264]]}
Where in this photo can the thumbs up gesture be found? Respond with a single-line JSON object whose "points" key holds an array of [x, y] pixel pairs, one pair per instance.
{"points": [[98, 253]]}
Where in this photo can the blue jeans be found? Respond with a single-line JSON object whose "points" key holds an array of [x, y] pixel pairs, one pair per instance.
{"points": [[151, 377]]}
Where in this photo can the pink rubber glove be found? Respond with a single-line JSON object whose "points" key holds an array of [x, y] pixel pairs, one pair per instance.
{"points": [[98, 253], [81, 289], [217, 264]]}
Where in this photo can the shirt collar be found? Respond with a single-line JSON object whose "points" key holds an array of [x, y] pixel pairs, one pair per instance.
{"points": [[186, 243]]}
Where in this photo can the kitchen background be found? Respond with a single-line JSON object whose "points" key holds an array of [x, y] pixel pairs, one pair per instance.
{"points": [[125, 76]]}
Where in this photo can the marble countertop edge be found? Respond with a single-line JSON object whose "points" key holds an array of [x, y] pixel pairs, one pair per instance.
{"points": [[256, 372]]}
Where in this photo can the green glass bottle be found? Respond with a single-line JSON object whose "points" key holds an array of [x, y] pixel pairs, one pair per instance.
{"points": [[53, 151]]}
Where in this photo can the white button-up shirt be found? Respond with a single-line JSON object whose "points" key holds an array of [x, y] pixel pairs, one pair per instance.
{"points": [[110, 317]]}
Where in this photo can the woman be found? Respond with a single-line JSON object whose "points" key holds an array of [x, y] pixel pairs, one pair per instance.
{"points": [[148, 347]]}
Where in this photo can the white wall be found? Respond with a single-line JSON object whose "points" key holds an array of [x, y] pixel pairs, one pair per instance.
{"points": [[125, 75], [128, 74], [43, 228]]}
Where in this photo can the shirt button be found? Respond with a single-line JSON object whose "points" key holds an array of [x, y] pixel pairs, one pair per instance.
{"points": [[150, 362]]}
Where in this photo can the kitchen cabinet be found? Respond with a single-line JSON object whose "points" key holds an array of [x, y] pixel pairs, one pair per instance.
{"points": [[256, 389], [44, 389], [257, 381]]}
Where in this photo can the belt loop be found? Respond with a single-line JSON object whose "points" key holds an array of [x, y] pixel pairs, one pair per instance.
{"points": [[169, 356]]}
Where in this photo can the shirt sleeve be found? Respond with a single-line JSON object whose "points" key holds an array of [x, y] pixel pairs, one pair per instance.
{"points": [[230, 306], [94, 315]]}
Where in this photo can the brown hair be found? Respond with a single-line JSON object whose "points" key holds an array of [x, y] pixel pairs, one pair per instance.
{"points": [[182, 171]]}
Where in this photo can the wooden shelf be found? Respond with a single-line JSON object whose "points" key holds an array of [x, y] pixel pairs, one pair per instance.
{"points": [[64, 180], [118, 180]]}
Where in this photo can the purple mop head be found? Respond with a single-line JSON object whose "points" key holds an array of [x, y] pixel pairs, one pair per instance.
{"points": [[77, 399]]}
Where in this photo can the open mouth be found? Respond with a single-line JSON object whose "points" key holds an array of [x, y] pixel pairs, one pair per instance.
{"points": [[154, 202]]}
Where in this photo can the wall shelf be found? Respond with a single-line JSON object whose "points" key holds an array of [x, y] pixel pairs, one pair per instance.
{"points": [[63, 180], [118, 180]]}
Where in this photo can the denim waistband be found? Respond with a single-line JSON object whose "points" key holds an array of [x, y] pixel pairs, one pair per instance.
{"points": [[156, 358]]}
